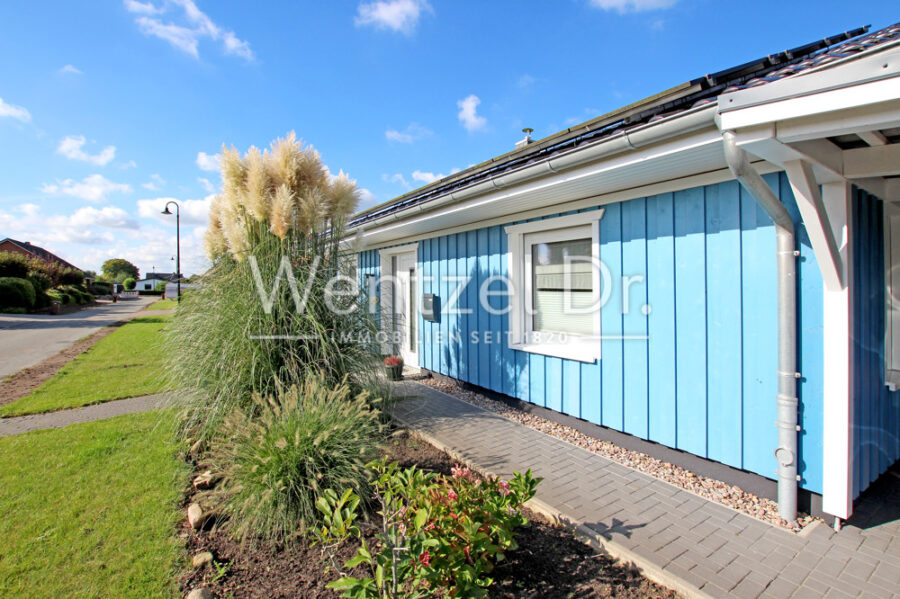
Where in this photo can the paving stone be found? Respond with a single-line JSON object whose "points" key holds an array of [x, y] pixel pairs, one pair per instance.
{"points": [[735, 573], [692, 578], [748, 588], [705, 545], [779, 588]]}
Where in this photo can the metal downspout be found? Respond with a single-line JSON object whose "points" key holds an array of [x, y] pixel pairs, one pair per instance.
{"points": [[786, 255]]}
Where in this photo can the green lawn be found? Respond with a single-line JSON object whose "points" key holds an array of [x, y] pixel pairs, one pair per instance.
{"points": [[165, 304], [90, 510], [123, 364]]}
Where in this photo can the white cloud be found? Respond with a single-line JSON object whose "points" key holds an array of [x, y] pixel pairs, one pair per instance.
{"points": [[207, 184], [207, 162], [71, 69], [153, 184], [625, 6], [20, 113], [71, 147], [108, 216], [91, 235], [193, 212], [397, 15], [413, 132], [426, 177], [183, 38], [84, 226], [127, 165], [367, 199], [525, 81], [195, 25], [142, 8], [395, 178], [93, 188], [468, 114]]}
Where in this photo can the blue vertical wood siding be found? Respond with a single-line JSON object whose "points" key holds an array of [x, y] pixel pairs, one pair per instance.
{"points": [[698, 371], [876, 410]]}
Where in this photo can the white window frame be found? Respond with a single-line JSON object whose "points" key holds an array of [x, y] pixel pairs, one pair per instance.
{"points": [[520, 239]]}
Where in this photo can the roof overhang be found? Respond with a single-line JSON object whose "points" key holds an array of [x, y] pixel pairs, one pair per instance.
{"points": [[670, 148], [801, 118]]}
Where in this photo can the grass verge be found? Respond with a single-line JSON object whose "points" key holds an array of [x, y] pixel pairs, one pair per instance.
{"points": [[124, 364], [90, 510], [163, 304]]}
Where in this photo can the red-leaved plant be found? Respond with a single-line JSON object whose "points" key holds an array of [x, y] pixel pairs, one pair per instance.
{"points": [[437, 532], [393, 361]]}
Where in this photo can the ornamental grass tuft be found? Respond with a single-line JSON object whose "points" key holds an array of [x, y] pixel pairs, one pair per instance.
{"points": [[280, 453]]}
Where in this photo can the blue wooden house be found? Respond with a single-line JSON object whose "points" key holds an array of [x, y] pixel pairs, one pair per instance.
{"points": [[709, 270]]}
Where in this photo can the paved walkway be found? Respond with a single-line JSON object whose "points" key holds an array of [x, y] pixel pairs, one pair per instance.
{"points": [[677, 538], [100, 411], [26, 339]]}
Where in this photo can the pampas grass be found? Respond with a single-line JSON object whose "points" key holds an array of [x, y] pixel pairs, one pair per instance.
{"points": [[275, 204]]}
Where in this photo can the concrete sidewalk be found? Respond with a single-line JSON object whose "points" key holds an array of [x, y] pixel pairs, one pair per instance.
{"points": [[23, 424], [677, 538]]}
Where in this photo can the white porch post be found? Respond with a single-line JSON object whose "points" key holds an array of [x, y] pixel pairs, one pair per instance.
{"points": [[837, 492]]}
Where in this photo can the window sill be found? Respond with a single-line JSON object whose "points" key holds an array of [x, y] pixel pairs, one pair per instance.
{"points": [[588, 353]]}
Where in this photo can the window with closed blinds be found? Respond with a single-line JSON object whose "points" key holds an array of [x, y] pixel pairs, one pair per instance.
{"points": [[562, 287]]}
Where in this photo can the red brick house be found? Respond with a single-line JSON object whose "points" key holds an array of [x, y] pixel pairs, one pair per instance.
{"points": [[32, 251]]}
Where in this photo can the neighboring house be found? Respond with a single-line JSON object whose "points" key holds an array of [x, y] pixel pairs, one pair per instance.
{"points": [[172, 289], [32, 251], [153, 279], [715, 322]]}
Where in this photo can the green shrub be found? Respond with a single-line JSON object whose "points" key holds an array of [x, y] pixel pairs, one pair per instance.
{"points": [[16, 293], [77, 293], [70, 276], [62, 297], [160, 287], [440, 533], [11, 310], [277, 456], [129, 283], [13, 265], [41, 281], [100, 288]]}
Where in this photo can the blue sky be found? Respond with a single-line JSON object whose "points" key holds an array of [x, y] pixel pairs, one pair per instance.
{"points": [[107, 107]]}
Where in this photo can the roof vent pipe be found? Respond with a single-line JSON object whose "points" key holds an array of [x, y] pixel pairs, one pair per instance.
{"points": [[786, 256], [527, 140]]}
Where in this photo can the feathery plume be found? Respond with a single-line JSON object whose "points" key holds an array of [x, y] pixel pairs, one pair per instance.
{"points": [[282, 211]]}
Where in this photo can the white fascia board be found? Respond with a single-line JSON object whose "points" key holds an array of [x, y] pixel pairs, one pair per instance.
{"points": [[832, 86], [855, 96], [641, 191], [697, 141]]}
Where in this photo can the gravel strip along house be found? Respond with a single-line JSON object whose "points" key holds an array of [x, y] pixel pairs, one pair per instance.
{"points": [[708, 270]]}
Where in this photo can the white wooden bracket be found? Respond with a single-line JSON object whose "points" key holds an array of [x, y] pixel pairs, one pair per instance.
{"points": [[812, 209]]}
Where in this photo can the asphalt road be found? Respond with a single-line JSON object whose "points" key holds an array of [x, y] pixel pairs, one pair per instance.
{"points": [[26, 339]]}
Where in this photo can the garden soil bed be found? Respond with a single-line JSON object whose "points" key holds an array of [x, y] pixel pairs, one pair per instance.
{"points": [[549, 562]]}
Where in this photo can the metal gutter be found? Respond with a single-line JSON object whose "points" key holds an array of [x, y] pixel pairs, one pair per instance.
{"points": [[786, 256], [618, 143], [674, 100]]}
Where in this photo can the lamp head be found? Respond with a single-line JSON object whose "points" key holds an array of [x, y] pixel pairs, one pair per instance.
{"points": [[167, 211]]}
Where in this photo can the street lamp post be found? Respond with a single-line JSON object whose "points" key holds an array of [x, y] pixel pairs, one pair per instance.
{"points": [[177, 243]]}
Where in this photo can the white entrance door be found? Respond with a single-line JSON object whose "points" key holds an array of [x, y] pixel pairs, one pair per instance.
{"points": [[404, 307]]}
